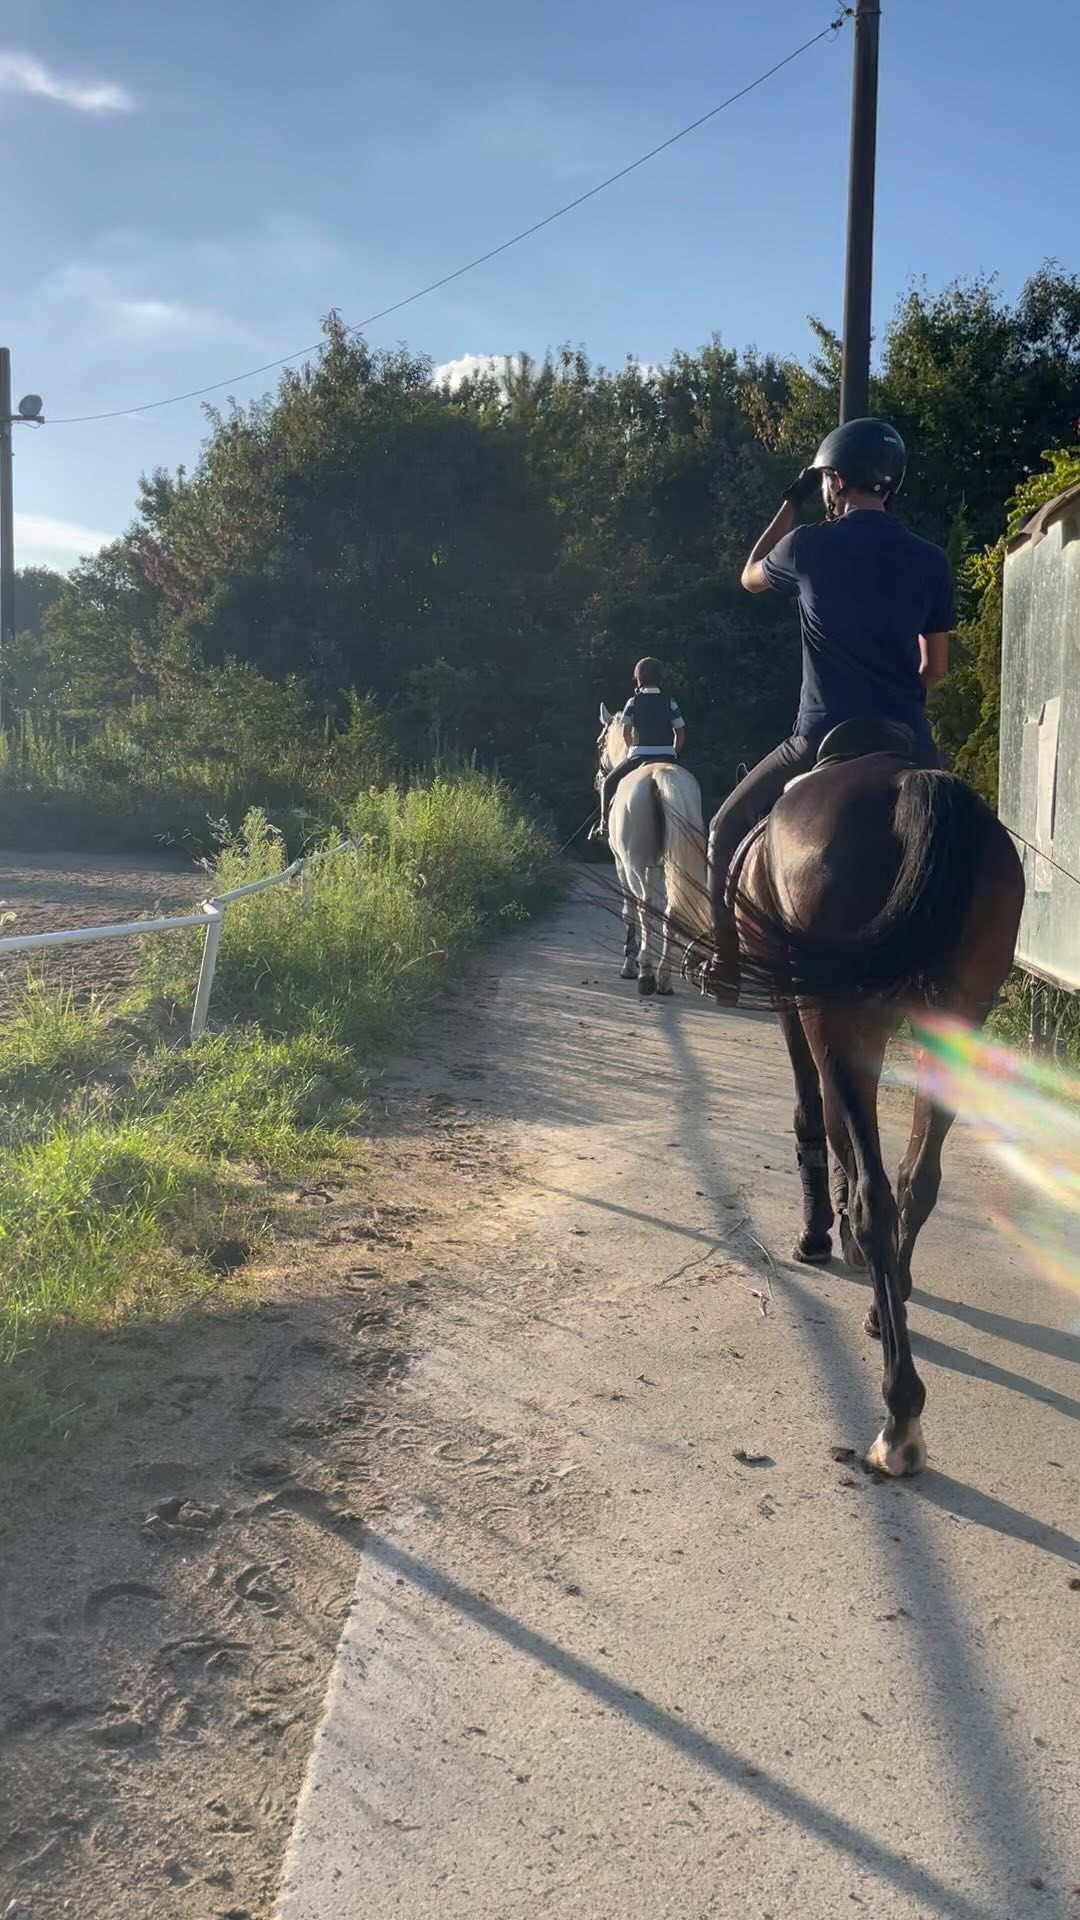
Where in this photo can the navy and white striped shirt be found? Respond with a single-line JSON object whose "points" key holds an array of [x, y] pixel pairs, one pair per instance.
{"points": [[655, 720]]}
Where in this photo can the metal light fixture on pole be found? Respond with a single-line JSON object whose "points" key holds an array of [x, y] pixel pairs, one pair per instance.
{"points": [[30, 413], [858, 279]]}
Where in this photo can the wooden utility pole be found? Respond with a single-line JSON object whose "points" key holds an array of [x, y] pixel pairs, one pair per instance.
{"points": [[858, 279], [7, 524]]}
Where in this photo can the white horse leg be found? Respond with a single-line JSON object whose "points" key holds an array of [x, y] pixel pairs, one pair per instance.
{"points": [[648, 893], [629, 969], [663, 971]]}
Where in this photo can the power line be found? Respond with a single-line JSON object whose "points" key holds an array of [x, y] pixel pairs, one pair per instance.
{"points": [[1032, 848], [270, 366]]}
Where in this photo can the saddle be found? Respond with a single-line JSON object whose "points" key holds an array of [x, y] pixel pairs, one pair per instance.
{"points": [[854, 738], [851, 740]]}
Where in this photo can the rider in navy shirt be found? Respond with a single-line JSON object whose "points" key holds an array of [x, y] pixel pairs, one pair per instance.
{"points": [[653, 729], [876, 606], [867, 588]]}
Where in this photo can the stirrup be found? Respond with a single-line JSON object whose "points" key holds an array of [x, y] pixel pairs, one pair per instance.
{"points": [[598, 831], [719, 980]]}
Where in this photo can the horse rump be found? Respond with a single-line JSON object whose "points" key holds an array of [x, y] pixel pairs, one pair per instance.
{"points": [[940, 832]]}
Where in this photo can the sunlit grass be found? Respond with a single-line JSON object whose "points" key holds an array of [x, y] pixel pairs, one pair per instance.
{"points": [[114, 1184], [127, 1158], [363, 936]]}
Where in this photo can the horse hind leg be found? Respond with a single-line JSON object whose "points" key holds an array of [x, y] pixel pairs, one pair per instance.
{"points": [[839, 1176], [918, 1182], [648, 909], [663, 971], [814, 1244], [631, 943], [851, 1093], [919, 1179]]}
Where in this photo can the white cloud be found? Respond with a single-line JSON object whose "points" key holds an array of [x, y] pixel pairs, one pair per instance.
{"points": [[473, 366], [21, 73], [132, 321], [479, 366], [162, 319], [41, 540]]}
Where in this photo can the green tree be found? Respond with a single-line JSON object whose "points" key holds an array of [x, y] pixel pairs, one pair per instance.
{"points": [[25, 668], [979, 387], [967, 709], [479, 568]]}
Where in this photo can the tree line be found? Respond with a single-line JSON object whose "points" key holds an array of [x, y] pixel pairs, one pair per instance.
{"points": [[366, 557]]}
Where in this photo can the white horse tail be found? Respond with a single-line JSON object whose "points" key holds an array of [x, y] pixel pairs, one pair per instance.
{"points": [[677, 799]]}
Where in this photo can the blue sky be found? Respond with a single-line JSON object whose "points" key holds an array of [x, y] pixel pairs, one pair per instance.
{"points": [[191, 185]]}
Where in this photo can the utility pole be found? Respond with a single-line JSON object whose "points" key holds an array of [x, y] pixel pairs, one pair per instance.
{"points": [[29, 415], [858, 278], [7, 527]]}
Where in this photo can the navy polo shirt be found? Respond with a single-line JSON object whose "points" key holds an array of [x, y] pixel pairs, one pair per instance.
{"points": [[867, 588]]}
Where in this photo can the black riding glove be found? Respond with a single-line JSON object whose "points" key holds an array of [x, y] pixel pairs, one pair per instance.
{"points": [[805, 487]]}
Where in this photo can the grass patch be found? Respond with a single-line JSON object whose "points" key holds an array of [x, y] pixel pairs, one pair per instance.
{"points": [[128, 1161], [117, 1188], [366, 934], [1056, 1018], [49, 1043]]}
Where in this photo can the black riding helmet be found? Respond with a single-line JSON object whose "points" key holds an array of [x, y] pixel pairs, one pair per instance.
{"points": [[868, 454]]}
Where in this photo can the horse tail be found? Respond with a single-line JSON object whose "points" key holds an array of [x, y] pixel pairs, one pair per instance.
{"points": [[681, 838], [940, 826]]}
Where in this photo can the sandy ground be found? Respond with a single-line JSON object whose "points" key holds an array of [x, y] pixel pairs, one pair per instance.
{"points": [[51, 892], [540, 1414]]}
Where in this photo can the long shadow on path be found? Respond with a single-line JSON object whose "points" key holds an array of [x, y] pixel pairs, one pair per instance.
{"points": [[997, 1803]]}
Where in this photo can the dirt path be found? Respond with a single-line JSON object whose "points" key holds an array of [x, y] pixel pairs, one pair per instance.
{"points": [[541, 1389]]}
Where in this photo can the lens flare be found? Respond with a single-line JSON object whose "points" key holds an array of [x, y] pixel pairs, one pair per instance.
{"points": [[1027, 1113]]}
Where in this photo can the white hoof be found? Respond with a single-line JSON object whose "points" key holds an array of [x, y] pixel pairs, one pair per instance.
{"points": [[901, 1456], [629, 970], [663, 986]]}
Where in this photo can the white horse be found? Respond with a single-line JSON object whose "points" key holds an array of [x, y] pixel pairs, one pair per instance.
{"points": [[657, 837]]}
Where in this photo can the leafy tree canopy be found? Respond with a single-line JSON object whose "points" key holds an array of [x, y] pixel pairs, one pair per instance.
{"points": [[482, 566]]}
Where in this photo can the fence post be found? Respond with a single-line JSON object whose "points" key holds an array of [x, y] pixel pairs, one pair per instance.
{"points": [[206, 971]]}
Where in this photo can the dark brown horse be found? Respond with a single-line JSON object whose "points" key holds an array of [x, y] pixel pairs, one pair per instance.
{"points": [[875, 890]]}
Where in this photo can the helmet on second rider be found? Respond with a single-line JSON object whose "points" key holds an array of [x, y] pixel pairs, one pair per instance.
{"points": [[868, 455]]}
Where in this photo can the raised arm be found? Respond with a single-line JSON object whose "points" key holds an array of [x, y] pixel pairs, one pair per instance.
{"points": [[753, 577]]}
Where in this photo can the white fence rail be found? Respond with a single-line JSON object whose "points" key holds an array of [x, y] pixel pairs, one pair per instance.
{"points": [[211, 915]]}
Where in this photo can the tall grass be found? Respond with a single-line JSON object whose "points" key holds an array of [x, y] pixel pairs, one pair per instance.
{"points": [[208, 748], [1053, 1015], [366, 932], [128, 1161], [126, 1166]]}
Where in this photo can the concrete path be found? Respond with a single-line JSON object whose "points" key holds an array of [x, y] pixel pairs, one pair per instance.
{"points": [[649, 1649]]}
